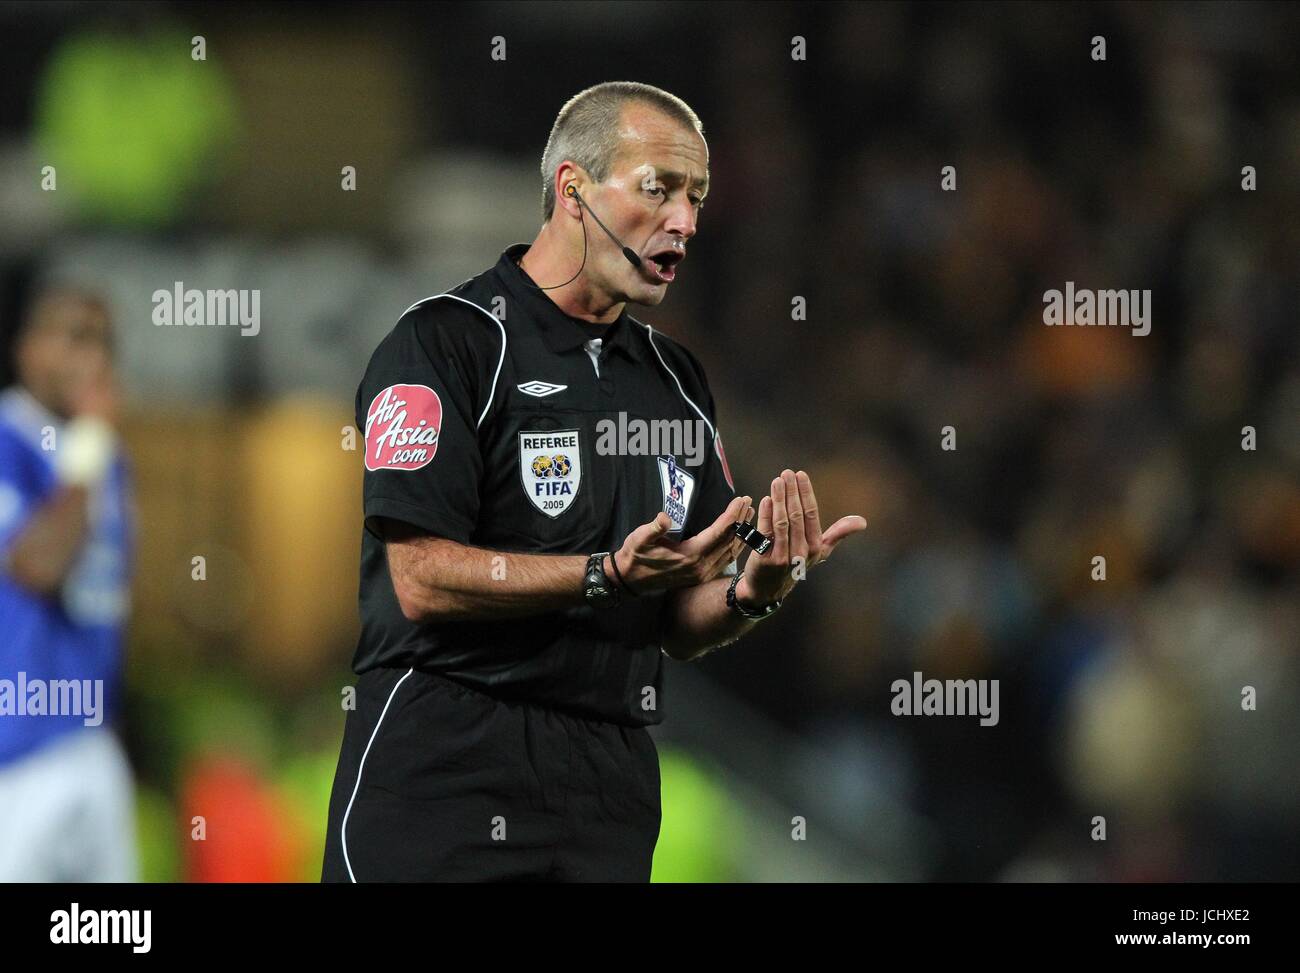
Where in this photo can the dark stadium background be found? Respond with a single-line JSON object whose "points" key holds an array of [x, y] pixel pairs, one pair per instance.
{"points": [[1118, 698]]}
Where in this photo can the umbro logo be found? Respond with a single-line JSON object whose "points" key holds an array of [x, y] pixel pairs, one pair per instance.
{"points": [[540, 389]]}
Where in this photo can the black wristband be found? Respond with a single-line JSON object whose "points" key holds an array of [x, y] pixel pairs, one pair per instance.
{"points": [[613, 559], [740, 609]]}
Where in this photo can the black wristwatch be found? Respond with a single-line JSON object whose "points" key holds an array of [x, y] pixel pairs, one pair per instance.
{"points": [[600, 591], [740, 609]]}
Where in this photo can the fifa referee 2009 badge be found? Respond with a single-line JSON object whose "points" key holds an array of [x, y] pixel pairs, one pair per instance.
{"points": [[402, 426], [550, 468], [678, 488]]}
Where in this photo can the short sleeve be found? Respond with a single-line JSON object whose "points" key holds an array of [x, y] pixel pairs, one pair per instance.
{"points": [[419, 405]]}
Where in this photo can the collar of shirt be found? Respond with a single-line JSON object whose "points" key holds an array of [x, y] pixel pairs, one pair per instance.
{"points": [[561, 332]]}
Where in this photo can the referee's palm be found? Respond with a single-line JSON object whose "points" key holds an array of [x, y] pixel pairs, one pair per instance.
{"points": [[650, 560], [791, 517]]}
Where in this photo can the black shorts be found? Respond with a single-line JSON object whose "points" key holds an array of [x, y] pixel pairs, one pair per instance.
{"points": [[438, 782]]}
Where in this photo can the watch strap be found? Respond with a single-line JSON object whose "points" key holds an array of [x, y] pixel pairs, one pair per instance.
{"points": [[597, 587]]}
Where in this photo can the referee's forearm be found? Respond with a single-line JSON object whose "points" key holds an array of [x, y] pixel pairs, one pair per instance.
{"points": [[440, 580], [699, 620]]}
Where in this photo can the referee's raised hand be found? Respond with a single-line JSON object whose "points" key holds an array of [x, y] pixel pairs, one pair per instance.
{"points": [[650, 560], [790, 516]]}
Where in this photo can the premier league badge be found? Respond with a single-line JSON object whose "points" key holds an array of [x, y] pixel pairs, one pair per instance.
{"points": [[550, 468], [678, 488]]}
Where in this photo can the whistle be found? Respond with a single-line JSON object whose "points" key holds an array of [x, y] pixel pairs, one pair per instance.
{"points": [[750, 535]]}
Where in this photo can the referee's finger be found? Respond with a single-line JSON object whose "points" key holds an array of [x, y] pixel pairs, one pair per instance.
{"points": [[798, 539], [811, 516], [764, 524], [780, 523], [746, 516], [715, 535], [736, 547], [652, 534]]}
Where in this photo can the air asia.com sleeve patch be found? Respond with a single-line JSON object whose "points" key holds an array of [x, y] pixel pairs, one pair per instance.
{"points": [[402, 426], [550, 468]]}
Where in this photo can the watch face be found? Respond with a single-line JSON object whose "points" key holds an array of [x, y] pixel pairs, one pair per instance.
{"points": [[600, 597]]}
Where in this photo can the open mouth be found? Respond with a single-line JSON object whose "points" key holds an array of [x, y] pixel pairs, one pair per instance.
{"points": [[663, 265]]}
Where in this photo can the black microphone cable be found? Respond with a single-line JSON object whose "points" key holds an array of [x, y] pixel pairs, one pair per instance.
{"points": [[627, 251]]}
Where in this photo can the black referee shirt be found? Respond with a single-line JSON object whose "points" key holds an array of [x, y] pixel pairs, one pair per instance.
{"points": [[480, 411]]}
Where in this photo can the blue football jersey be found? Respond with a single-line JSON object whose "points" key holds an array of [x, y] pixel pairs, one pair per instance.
{"points": [[76, 633]]}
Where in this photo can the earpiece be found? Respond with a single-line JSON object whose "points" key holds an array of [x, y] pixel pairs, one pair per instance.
{"points": [[572, 191]]}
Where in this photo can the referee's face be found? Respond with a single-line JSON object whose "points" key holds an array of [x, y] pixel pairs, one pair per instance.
{"points": [[652, 198]]}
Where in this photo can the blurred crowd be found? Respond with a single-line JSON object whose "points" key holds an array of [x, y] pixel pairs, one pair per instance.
{"points": [[1122, 698], [1173, 456]]}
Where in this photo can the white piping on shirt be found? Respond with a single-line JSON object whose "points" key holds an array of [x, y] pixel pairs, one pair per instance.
{"points": [[650, 333], [500, 361]]}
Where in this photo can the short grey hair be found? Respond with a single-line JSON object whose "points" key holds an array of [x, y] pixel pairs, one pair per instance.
{"points": [[586, 131]]}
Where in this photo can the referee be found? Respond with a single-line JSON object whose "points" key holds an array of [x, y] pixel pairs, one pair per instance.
{"points": [[522, 576]]}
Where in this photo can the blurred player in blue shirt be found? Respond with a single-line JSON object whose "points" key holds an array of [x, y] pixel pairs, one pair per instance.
{"points": [[66, 804]]}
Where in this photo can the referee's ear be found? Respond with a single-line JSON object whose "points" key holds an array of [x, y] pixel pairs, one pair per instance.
{"points": [[570, 188], [569, 191]]}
